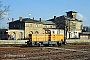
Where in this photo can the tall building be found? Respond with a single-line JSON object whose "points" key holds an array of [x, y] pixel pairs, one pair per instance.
{"points": [[71, 14], [69, 23]]}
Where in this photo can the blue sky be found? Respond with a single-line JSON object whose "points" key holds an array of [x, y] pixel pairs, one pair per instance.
{"points": [[46, 9]]}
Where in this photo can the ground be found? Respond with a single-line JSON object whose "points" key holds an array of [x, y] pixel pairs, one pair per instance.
{"points": [[80, 51]]}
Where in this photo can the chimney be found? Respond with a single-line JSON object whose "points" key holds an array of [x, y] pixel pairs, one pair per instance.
{"points": [[33, 18], [20, 18], [40, 19], [54, 17], [12, 19]]}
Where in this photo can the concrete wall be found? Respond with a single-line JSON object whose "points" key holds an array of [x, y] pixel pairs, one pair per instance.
{"points": [[13, 41], [73, 34], [77, 40]]}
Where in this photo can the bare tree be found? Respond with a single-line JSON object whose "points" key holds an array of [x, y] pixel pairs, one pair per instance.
{"points": [[3, 11]]}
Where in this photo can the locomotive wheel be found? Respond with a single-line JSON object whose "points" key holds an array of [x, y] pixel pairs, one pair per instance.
{"points": [[64, 43], [60, 43], [39, 44]]}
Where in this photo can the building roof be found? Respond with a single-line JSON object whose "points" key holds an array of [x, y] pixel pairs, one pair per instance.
{"points": [[71, 12], [60, 21], [27, 20], [47, 22], [85, 33], [63, 17]]}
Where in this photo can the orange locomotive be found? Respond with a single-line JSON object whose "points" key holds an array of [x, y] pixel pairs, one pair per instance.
{"points": [[46, 39]]}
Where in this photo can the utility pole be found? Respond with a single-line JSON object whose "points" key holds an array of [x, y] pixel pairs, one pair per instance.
{"points": [[69, 29], [65, 31], [8, 22]]}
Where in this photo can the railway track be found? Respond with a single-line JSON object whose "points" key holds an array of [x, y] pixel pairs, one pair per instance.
{"points": [[68, 52]]}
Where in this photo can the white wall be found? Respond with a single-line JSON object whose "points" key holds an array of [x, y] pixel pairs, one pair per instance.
{"points": [[57, 31], [73, 34], [77, 40]]}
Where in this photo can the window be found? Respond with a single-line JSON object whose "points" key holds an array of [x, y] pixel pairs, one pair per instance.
{"points": [[74, 16], [14, 25], [1, 32], [36, 32], [57, 32], [36, 25], [50, 26], [30, 25], [20, 26], [4, 32], [31, 32], [13, 36], [81, 27], [53, 32], [74, 26], [17, 25], [20, 35], [45, 26]]}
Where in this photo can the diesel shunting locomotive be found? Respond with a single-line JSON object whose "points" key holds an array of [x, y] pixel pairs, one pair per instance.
{"points": [[49, 39]]}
